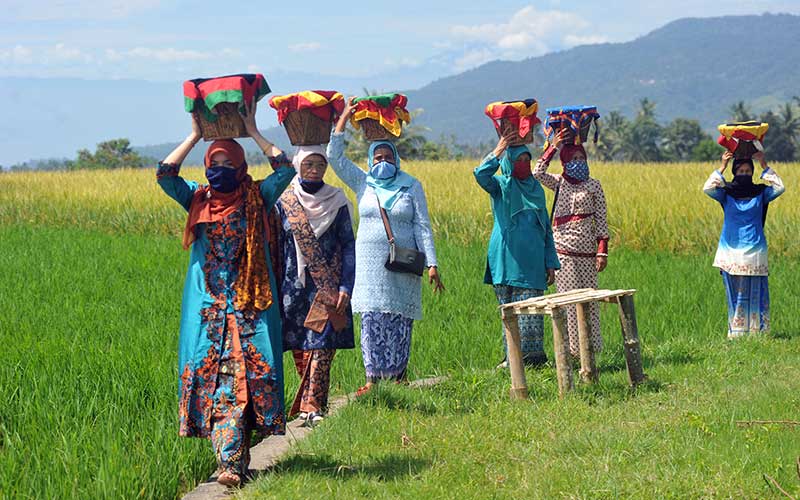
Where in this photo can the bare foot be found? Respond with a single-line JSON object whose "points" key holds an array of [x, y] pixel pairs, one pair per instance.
{"points": [[229, 479]]}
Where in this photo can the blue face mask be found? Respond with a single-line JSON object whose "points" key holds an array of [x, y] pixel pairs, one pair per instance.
{"points": [[577, 169], [311, 187], [222, 179], [383, 170]]}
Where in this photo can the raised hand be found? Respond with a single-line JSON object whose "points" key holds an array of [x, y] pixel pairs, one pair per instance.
{"points": [[249, 118], [347, 112], [727, 156], [502, 145], [560, 137]]}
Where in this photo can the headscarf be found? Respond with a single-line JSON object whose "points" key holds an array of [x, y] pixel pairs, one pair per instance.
{"points": [[519, 195], [388, 190], [742, 187], [321, 207], [252, 286], [574, 171]]}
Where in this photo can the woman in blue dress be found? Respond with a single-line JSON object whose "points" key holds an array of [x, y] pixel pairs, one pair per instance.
{"points": [[388, 301], [742, 252], [230, 346], [319, 265]]}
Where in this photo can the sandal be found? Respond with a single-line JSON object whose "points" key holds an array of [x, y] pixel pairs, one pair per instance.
{"points": [[229, 479], [363, 390]]}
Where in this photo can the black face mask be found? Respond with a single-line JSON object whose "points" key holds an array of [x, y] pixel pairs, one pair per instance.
{"points": [[311, 187], [223, 179], [743, 180]]}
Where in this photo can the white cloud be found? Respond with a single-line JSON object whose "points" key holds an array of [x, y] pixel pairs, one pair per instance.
{"points": [[169, 54], [305, 47], [529, 32], [18, 54], [473, 58]]}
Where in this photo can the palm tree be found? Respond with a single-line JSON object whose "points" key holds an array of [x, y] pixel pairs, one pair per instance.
{"points": [[740, 112]]}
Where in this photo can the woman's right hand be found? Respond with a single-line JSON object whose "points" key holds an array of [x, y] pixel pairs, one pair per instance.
{"points": [[196, 134], [727, 156], [502, 145]]}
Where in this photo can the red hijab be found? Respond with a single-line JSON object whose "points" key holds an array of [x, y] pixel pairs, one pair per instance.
{"points": [[570, 150], [212, 206]]}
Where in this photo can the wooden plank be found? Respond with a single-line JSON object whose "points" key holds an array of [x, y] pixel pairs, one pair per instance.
{"points": [[545, 306], [588, 371], [630, 338], [561, 351], [519, 386]]}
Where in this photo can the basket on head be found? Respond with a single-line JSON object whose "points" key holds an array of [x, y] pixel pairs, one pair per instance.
{"points": [[381, 117], [514, 120], [216, 102], [743, 139], [576, 120], [308, 116]]}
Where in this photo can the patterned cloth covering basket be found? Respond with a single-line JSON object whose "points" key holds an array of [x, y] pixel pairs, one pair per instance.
{"points": [[308, 116], [743, 139], [216, 103], [381, 117], [514, 119], [576, 120]]}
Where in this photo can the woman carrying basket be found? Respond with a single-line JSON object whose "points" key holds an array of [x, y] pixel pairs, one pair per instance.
{"points": [[521, 260], [230, 347], [742, 252], [580, 230], [319, 262], [389, 301]]}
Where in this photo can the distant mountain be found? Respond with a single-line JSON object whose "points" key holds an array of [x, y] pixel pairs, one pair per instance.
{"points": [[693, 68]]}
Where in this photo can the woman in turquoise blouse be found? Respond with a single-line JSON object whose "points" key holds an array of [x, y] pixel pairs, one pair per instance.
{"points": [[231, 346], [522, 258]]}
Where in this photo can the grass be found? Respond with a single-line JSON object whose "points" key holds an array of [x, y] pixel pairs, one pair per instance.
{"points": [[93, 273]]}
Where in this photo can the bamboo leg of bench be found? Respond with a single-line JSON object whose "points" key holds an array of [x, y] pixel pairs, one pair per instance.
{"points": [[588, 371], [519, 387], [630, 339], [561, 352]]}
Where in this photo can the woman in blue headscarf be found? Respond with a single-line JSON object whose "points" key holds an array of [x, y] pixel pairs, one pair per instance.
{"points": [[388, 301], [522, 258]]}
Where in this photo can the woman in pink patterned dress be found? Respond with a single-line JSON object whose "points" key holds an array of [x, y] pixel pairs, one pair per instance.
{"points": [[580, 230]]}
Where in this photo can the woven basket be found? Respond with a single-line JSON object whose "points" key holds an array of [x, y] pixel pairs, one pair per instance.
{"points": [[229, 124], [374, 131], [745, 150], [508, 129], [304, 128]]}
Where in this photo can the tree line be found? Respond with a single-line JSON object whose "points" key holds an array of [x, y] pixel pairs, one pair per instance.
{"points": [[639, 139]]}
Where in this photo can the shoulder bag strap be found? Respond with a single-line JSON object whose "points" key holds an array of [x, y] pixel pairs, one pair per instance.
{"points": [[385, 218]]}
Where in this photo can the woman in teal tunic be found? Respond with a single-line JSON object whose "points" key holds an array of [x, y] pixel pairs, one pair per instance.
{"points": [[522, 257], [230, 347]]}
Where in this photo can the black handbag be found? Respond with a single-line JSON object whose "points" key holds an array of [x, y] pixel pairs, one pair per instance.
{"points": [[401, 259]]}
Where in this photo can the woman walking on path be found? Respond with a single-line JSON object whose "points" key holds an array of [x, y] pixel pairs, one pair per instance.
{"points": [[318, 246], [580, 230], [742, 252], [522, 259], [230, 347], [388, 301]]}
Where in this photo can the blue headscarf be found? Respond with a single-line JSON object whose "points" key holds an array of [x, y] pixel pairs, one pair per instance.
{"points": [[388, 190], [520, 195]]}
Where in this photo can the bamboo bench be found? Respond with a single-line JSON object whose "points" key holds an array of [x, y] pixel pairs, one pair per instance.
{"points": [[554, 305]]}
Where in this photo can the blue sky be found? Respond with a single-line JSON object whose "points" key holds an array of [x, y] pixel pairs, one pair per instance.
{"points": [[415, 41]]}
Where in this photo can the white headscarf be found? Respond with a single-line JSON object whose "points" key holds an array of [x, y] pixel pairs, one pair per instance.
{"points": [[321, 207]]}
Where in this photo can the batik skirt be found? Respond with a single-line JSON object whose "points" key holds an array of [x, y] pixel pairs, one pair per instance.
{"points": [[531, 326], [748, 304], [385, 345]]}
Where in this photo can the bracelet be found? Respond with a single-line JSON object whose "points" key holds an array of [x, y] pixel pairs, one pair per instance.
{"points": [[602, 255]]}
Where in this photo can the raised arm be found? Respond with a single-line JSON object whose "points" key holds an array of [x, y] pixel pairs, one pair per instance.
{"points": [[775, 186], [548, 180], [283, 171], [484, 173], [168, 171], [715, 183], [348, 172]]}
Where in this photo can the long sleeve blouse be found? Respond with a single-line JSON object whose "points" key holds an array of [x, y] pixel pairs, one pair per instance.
{"points": [[376, 288], [742, 248]]}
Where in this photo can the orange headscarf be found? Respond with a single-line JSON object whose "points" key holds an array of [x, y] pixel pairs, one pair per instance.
{"points": [[252, 286]]}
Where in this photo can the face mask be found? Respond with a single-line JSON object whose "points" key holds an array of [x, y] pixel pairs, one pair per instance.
{"points": [[311, 187], [577, 169], [383, 170], [222, 179], [522, 169], [743, 179]]}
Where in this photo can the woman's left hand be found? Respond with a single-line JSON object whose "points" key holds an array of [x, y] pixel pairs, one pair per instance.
{"points": [[435, 279], [249, 118], [343, 302], [602, 262]]}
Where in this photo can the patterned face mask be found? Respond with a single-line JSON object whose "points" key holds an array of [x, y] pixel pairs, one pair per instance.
{"points": [[577, 169]]}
